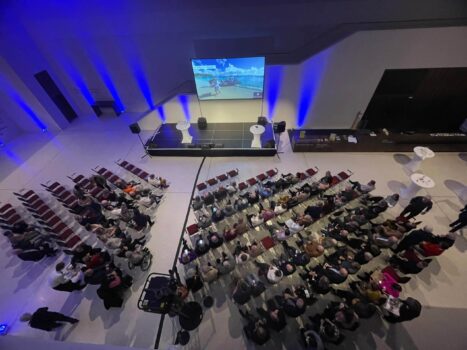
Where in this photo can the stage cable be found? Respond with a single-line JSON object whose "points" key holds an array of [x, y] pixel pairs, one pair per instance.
{"points": [[199, 105], [161, 322]]}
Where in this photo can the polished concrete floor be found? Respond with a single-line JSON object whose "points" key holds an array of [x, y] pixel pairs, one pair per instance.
{"points": [[38, 158]]}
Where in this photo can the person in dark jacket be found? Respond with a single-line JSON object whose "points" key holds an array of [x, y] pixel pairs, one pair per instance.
{"points": [[417, 205], [409, 309], [416, 237], [46, 320], [460, 222]]}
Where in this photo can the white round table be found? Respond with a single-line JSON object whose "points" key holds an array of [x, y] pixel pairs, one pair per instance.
{"points": [[421, 153], [256, 130], [418, 181], [183, 126]]}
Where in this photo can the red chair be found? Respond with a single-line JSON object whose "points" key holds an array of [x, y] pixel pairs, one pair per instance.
{"points": [[73, 242], [343, 175], [252, 181], [5, 208], [192, 229], [335, 180], [268, 242], [201, 186], [143, 175], [212, 182], [272, 172], [233, 173], [123, 164], [113, 178], [242, 186], [261, 177], [64, 235], [311, 171], [222, 177]]}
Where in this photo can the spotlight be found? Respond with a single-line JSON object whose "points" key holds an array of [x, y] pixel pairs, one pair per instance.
{"points": [[3, 329], [44, 130]]}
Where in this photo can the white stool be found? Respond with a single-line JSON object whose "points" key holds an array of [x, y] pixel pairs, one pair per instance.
{"points": [[418, 181], [256, 130], [183, 126], [421, 153]]}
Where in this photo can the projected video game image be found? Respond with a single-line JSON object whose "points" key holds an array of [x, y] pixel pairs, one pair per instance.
{"points": [[229, 78]]}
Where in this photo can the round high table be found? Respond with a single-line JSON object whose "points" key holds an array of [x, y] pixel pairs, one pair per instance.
{"points": [[256, 130], [418, 181], [421, 153], [183, 126]]}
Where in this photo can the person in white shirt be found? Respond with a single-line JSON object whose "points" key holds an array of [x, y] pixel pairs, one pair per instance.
{"points": [[274, 275], [280, 209], [158, 182], [231, 188], [256, 220], [370, 186], [293, 226], [66, 279]]}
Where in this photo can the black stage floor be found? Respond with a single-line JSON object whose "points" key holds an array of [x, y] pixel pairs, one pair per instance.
{"points": [[218, 140]]}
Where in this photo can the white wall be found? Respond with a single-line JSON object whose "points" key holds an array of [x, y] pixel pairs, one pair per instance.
{"points": [[330, 88], [354, 67]]}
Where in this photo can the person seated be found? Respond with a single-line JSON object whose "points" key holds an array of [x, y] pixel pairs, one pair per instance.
{"points": [[79, 253], [131, 188], [255, 249], [266, 214], [241, 227], [312, 189], [279, 233], [193, 279], [231, 188], [408, 310], [299, 196], [252, 197], [315, 211], [383, 241], [312, 247], [334, 274], [354, 300], [203, 220], [370, 186], [346, 195], [311, 340], [327, 329], [257, 287], [241, 204], [140, 221], [197, 203], [291, 303], [229, 209], [158, 182], [279, 209], [255, 219], [271, 272], [241, 291], [66, 279], [294, 225], [187, 255], [325, 182], [256, 329], [285, 264], [216, 214], [298, 257], [225, 264], [369, 290], [344, 257], [304, 220], [241, 258], [265, 192], [408, 266], [147, 200], [208, 199], [291, 179], [201, 246], [274, 316], [318, 282], [209, 273], [220, 194], [214, 239], [79, 191], [229, 233], [344, 317]]}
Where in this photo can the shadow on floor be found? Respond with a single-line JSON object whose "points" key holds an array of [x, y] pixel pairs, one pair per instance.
{"points": [[402, 158]]}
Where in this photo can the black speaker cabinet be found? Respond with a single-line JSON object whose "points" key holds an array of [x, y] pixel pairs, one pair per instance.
{"points": [[202, 123], [135, 129], [279, 127], [262, 121]]}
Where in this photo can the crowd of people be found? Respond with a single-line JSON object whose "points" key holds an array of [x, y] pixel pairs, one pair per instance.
{"points": [[119, 218], [353, 235]]}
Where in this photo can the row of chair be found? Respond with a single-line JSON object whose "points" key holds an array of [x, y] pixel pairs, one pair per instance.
{"points": [[49, 218], [143, 175], [202, 186]]}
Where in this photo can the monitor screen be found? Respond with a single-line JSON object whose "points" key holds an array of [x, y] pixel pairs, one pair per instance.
{"points": [[229, 78]]}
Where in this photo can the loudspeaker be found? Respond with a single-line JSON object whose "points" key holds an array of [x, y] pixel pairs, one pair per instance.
{"points": [[262, 121], [279, 127], [202, 123], [270, 144], [135, 129]]}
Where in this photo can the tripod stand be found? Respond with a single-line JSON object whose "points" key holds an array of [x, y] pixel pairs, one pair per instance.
{"points": [[146, 153]]}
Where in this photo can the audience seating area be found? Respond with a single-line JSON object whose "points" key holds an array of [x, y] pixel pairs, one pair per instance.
{"points": [[299, 258]]}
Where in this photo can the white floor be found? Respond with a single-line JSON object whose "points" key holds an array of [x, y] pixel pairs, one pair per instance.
{"points": [[28, 162]]}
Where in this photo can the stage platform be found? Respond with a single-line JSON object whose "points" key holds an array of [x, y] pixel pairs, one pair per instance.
{"points": [[218, 140]]}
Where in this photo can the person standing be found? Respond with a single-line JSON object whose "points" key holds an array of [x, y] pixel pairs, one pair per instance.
{"points": [[46, 320], [417, 205], [460, 222]]}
